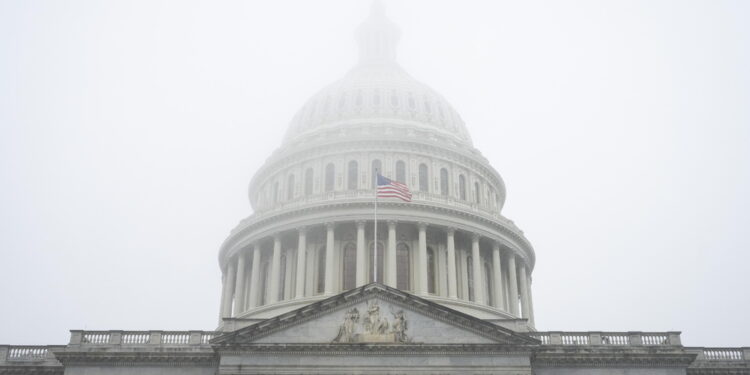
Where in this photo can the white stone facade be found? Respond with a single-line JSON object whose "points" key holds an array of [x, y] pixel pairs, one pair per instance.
{"points": [[311, 235]]}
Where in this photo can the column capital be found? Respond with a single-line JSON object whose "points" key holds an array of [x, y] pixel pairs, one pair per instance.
{"points": [[475, 237], [421, 225], [330, 225], [392, 223], [277, 237], [451, 230], [361, 223], [302, 229], [495, 246]]}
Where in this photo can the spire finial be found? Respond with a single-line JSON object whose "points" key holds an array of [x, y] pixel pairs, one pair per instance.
{"points": [[377, 37]]}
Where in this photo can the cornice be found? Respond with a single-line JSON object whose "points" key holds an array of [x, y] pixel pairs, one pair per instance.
{"points": [[610, 357], [154, 356], [378, 349]]}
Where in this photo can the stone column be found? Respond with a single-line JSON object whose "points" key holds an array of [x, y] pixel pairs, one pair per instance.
{"points": [[497, 278], [330, 272], [273, 288], [391, 268], [239, 300], [531, 303], [226, 309], [301, 262], [452, 276], [361, 254], [513, 284], [476, 263], [523, 280], [254, 278], [422, 258], [223, 298]]}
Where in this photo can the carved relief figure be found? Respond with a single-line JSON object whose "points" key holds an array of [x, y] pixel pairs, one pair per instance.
{"points": [[346, 330], [374, 324], [399, 327]]}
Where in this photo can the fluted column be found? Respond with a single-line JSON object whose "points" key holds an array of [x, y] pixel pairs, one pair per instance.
{"points": [[422, 261], [476, 262], [301, 262], [226, 309], [330, 272], [524, 290], [273, 290], [513, 284], [391, 267], [497, 277], [361, 254], [254, 278], [452, 276], [239, 288]]}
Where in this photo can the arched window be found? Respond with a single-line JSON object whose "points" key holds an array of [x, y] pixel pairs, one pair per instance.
{"points": [[275, 192], [290, 187], [423, 180], [282, 277], [350, 266], [470, 277], [488, 285], [377, 167], [321, 282], [443, 181], [380, 262], [401, 171], [477, 193], [403, 265], [330, 171], [462, 187], [352, 175], [263, 283], [309, 181], [431, 263]]}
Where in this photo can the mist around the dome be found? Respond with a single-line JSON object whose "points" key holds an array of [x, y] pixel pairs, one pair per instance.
{"points": [[129, 132]]}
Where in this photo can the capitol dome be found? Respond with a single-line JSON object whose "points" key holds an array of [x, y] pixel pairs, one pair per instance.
{"points": [[316, 232], [378, 88]]}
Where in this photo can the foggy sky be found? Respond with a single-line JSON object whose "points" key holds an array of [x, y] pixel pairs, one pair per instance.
{"points": [[129, 131]]}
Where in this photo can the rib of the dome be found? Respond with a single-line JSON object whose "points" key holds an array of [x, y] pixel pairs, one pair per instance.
{"points": [[382, 91]]}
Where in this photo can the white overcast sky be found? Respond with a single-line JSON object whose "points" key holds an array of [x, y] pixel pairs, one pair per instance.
{"points": [[130, 130]]}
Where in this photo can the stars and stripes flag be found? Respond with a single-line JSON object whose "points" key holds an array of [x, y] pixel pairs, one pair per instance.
{"points": [[388, 188]]}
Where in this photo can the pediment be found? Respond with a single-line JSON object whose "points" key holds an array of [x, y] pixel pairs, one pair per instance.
{"points": [[373, 314]]}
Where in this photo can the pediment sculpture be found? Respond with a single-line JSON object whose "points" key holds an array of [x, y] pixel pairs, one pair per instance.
{"points": [[372, 327]]}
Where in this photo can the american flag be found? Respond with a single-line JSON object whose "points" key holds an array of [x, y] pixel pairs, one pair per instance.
{"points": [[388, 188]]}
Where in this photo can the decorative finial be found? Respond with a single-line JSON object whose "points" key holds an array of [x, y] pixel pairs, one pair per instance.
{"points": [[377, 37]]}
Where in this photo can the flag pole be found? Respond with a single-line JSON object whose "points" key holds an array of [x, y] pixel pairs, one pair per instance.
{"points": [[375, 231]]}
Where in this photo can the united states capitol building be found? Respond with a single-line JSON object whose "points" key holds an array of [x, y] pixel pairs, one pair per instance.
{"points": [[308, 288]]}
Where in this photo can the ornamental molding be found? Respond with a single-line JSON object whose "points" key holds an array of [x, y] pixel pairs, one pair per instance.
{"points": [[246, 336], [604, 358], [152, 357], [360, 349], [31, 370]]}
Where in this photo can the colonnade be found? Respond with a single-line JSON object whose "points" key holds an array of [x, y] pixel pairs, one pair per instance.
{"points": [[290, 266]]}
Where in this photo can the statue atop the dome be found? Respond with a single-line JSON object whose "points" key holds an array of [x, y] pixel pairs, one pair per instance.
{"points": [[377, 37]]}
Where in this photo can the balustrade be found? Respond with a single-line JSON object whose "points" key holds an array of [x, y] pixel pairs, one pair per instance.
{"points": [[723, 354], [26, 353], [170, 338], [608, 338]]}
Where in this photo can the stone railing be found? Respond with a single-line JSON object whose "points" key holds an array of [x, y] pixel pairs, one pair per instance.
{"points": [[29, 354], [721, 354], [608, 338], [369, 194], [163, 338]]}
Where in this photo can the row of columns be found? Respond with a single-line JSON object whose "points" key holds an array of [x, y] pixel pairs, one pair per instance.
{"points": [[518, 279]]}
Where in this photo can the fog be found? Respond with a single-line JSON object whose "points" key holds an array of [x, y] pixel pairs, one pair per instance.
{"points": [[129, 132]]}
